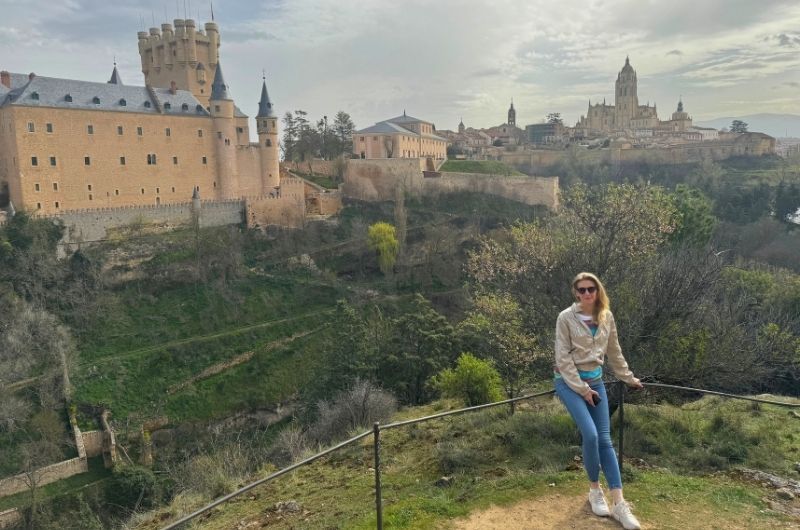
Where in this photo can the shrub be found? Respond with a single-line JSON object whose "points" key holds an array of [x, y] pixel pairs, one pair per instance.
{"points": [[357, 407], [474, 380], [133, 487], [289, 446]]}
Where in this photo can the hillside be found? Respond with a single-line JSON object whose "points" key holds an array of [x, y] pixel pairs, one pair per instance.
{"points": [[775, 125], [489, 470]]}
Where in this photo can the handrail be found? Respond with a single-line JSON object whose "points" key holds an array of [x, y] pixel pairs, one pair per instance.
{"points": [[377, 428]]}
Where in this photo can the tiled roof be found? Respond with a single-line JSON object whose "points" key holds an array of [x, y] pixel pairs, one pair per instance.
{"points": [[72, 94], [407, 119]]}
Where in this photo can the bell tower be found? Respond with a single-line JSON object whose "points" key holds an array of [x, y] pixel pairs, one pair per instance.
{"points": [[512, 115], [267, 127], [626, 101]]}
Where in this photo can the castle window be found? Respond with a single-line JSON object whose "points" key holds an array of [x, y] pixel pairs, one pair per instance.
{"points": [[38, 206], [158, 190], [36, 187], [205, 160], [57, 205], [199, 108], [91, 197], [116, 192], [34, 161], [87, 161], [49, 127], [175, 160], [31, 127], [158, 200], [139, 131], [184, 107], [269, 143], [90, 129], [239, 130], [120, 130], [142, 191], [167, 131], [167, 106], [55, 186], [199, 133], [173, 189], [122, 160], [35, 95], [147, 104], [68, 98], [123, 103], [53, 161], [96, 100], [215, 183], [89, 187], [216, 108]]}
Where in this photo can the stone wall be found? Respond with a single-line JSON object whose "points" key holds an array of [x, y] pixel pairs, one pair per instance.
{"points": [[315, 167], [376, 180], [10, 518], [45, 475], [286, 209], [527, 190], [93, 443]]}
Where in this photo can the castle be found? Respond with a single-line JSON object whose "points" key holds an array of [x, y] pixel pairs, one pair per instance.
{"points": [[75, 145]]}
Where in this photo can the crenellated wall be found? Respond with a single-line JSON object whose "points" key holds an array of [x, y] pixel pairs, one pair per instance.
{"points": [[287, 208]]}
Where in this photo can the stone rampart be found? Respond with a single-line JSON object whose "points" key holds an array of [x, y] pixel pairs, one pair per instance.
{"points": [[93, 443], [376, 179], [43, 476], [527, 190], [287, 208], [10, 518]]}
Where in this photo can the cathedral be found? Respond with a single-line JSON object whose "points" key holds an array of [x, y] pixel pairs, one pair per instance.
{"points": [[68, 144], [627, 115]]}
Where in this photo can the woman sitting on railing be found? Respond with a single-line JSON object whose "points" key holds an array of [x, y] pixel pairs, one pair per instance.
{"points": [[585, 335]]}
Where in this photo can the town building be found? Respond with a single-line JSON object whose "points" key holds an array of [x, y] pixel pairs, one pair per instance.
{"points": [[400, 137]]}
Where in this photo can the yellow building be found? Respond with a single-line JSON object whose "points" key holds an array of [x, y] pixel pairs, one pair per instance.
{"points": [[68, 144], [400, 137]]}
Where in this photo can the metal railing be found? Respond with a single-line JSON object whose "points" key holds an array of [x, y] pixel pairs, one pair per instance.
{"points": [[378, 428]]}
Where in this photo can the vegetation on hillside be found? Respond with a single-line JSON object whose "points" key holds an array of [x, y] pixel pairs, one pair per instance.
{"points": [[486, 167]]}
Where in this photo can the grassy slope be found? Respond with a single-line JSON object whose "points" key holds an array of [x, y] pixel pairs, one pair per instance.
{"points": [[495, 459], [489, 167]]}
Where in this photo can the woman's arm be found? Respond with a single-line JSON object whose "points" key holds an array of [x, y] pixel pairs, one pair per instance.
{"points": [[615, 358]]}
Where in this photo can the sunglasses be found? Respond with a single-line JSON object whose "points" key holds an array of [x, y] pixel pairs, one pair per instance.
{"points": [[584, 290]]}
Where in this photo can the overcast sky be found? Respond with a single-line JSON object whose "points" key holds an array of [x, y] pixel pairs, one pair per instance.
{"points": [[443, 59]]}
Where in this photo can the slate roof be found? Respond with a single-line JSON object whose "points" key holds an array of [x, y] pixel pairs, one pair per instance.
{"points": [[52, 92], [264, 105], [115, 78], [219, 90], [407, 119], [388, 127]]}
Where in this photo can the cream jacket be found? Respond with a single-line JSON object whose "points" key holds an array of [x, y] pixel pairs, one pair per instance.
{"points": [[577, 349]]}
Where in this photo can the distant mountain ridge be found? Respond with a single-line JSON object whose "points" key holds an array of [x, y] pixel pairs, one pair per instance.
{"points": [[777, 125]]}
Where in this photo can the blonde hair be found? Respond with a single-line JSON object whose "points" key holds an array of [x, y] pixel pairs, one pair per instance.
{"points": [[602, 305]]}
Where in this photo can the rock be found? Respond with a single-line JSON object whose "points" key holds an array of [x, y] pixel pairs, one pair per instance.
{"points": [[785, 494], [444, 482], [287, 507]]}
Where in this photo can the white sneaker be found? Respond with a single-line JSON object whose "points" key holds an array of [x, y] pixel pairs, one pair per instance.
{"points": [[598, 502], [622, 513]]}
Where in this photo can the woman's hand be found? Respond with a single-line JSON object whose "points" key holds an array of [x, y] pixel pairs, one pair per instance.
{"points": [[588, 397], [636, 384]]}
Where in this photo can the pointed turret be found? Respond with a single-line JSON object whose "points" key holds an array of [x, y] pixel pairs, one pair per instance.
{"points": [[219, 89], [265, 105], [115, 78]]}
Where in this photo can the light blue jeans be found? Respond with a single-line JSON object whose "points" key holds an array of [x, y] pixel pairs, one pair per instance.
{"points": [[595, 426]]}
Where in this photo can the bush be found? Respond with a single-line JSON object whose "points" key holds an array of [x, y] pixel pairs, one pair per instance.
{"points": [[357, 407], [474, 380], [133, 487], [289, 446]]}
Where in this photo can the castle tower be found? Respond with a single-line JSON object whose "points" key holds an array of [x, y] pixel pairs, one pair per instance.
{"points": [[461, 127], [224, 127], [182, 55], [512, 115], [681, 121], [267, 127], [626, 99]]}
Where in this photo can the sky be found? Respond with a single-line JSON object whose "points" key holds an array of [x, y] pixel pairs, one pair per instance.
{"points": [[442, 60]]}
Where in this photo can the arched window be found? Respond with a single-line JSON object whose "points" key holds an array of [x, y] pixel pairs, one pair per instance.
{"points": [[96, 100], [123, 103]]}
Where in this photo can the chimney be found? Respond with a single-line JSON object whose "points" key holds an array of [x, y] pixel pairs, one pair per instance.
{"points": [[31, 76], [173, 87], [5, 79]]}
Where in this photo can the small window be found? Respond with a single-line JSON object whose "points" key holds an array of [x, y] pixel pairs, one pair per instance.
{"points": [[36, 187], [90, 129], [96, 100], [184, 107], [158, 190], [175, 160], [31, 127], [147, 104], [116, 192], [199, 133], [57, 205], [34, 161], [215, 183], [216, 108], [362, 138], [55, 186], [35, 95], [87, 161], [122, 160], [173, 189], [205, 160], [239, 130], [120, 130], [199, 108], [38, 206], [53, 161], [167, 106], [139, 131], [49, 127], [123, 103], [142, 191], [91, 197], [89, 187], [269, 143], [167, 131], [68, 98]]}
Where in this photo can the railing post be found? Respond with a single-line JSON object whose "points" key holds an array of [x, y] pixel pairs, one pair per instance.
{"points": [[621, 423], [376, 430]]}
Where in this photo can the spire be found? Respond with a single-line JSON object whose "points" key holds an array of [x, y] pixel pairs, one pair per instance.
{"points": [[219, 90], [680, 104], [265, 105], [115, 78]]}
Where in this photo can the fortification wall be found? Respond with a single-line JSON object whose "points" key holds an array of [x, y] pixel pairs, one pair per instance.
{"points": [[44, 476], [285, 209], [376, 179], [527, 190], [249, 162], [93, 443], [317, 167], [10, 518]]}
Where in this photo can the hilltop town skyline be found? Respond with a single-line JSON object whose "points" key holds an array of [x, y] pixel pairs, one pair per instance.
{"points": [[454, 61]]}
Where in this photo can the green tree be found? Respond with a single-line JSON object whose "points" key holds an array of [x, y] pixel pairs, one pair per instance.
{"points": [[555, 118], [381, 238], [738, 126], [695, 218], [343, 129], [787, 201], [473, 380]]}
